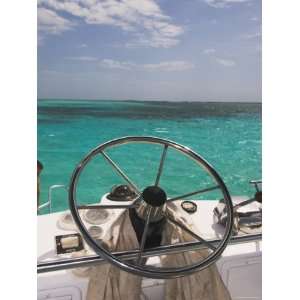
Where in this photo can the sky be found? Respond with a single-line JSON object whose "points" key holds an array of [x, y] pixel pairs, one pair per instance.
{"points": [[168, 50]]}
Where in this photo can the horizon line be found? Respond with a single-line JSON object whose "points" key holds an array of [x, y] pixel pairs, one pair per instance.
{"points": [[135, 100]]}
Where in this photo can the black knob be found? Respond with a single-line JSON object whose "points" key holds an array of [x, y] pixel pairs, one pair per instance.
{"points": [[154, 196]]}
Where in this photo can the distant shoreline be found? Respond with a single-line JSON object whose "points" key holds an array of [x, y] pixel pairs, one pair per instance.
{"points": [[149, 101]]}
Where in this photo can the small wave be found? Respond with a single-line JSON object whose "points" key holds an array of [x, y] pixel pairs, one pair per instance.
{"points": [[162, 131]]}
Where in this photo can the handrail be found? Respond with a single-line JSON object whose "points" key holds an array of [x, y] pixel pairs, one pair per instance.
{"points": [[43, 205], [49, 202], [256, 183], [72, 263]]}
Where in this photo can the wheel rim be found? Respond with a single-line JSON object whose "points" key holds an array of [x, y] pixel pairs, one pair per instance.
{"points": [[150, 271]]}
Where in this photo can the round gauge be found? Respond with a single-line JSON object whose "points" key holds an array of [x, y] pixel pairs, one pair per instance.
{"points": [[65, 222], [95, 231], [189, 206], [96, 216]]}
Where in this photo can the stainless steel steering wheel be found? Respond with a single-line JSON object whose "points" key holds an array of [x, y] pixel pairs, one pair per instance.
{"points": [[134, 265]]}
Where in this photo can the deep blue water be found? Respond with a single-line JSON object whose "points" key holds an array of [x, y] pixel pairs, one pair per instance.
{"points": [[228, 135]]}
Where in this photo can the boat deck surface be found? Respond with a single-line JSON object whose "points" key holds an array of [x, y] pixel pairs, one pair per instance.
{"points": [[239, 266]]}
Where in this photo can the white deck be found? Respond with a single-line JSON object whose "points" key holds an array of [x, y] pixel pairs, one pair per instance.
{"points": [[239, 266]]}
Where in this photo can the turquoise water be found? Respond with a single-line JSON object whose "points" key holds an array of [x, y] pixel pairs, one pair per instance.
{"points": [[228, 135]]}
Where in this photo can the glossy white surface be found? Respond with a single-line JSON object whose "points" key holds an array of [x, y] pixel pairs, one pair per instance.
{"points": [[239, 266]]}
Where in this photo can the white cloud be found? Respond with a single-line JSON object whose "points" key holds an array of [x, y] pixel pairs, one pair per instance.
{"points": [[51, 23], [221, 61], [223, 3], [226, 62], [209, 51], [83, 58], [168, 66], [178, 65], [142, 17], [254, 19], [82, 46], [251, 35], [114, 64]]}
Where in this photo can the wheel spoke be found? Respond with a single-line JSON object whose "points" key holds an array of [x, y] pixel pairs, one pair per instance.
{"points": [[161, 164], [241, 204], [106, 206], [194, 235], [195, 193], [119, 171], [144, 236]]}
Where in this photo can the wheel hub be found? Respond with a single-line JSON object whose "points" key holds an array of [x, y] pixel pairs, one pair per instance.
{"points": [[154, 196]]}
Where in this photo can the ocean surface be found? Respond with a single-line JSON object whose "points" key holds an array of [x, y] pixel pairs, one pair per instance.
{"points": [[227, 135]]}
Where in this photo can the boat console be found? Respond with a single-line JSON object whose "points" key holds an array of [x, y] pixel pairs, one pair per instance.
{"points": [[228, 228]]}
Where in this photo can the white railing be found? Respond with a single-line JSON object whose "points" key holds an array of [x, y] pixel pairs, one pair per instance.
{"points": [[49, 202]]}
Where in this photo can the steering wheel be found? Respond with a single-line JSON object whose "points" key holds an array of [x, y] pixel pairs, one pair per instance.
{"points": [[152, 198]]}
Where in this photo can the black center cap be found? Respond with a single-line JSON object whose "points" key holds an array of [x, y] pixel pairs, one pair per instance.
{"points": [[154, 196]]}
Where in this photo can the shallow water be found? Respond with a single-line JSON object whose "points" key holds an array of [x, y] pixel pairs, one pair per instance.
{"points": [[228, 135]]}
